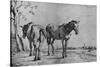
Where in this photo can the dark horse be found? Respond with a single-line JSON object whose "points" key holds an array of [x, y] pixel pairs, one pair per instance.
{"points": [[32, 32], [62, 32]]}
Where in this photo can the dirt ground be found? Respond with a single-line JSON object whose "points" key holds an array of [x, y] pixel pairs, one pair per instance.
{"points": [[73, 56]]}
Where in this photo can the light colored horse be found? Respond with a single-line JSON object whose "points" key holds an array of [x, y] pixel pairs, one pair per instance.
{"points": [[32, 32]]}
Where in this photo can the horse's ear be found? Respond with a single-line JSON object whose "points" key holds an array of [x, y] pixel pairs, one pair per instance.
{"points": [[29, 23]]}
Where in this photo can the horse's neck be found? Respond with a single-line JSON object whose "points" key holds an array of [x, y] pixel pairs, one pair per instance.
{"points": [[29, 31], [68, 29], [33, 33], [29, 28]]}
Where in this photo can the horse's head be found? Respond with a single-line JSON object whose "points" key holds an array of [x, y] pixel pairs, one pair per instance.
{"points": [[75, 26], [72, 25], [25, 29], [48, 27]]}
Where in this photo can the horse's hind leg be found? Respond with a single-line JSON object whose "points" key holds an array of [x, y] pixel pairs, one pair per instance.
{"points": [[35, 58], [48, 41], [35, 50], [38, 52], [48, 49]]}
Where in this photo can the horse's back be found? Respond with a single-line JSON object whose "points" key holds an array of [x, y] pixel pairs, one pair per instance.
{"points": [[36, 31], [58, 31]]}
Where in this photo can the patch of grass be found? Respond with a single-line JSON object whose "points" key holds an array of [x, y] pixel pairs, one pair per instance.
{"points": [[89, 48]]}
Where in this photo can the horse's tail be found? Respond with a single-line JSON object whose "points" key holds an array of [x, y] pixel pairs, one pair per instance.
{"points": [[42, 35]]}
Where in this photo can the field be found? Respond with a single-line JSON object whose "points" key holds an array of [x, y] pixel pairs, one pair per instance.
{"points": [[77, 55], [80, 48]]}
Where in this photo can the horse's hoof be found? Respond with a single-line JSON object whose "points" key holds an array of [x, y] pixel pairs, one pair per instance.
{"points": [[63, 57], [38, 58], [30, 54], [34, 59], [48, 55], [52, 54]]}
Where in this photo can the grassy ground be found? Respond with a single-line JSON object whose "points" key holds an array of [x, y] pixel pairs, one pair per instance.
{"points": [[73, 56], [76, 55]]}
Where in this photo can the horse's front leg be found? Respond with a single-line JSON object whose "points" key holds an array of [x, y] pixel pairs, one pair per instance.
{"points": [[52, 46], [63, 48], [48, 42], [30, 45]]}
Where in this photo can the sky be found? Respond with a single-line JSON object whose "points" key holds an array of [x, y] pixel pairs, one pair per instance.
{"points": [[58, 13]]}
